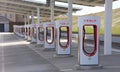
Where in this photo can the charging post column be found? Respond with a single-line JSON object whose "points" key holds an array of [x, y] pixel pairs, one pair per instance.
{"points": [[33, 33], [28, 32], [88, 53], [22, 31], [63, 37], [18, 30], [49, 35], [25, 26], [40, 34], [14, 28]]}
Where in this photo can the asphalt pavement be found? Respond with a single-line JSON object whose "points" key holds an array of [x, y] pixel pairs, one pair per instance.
{"points": [[18, 55]]}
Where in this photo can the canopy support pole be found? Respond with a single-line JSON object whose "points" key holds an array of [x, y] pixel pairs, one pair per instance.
{"points": [[70, 20], [108, 28], [52, 3], [38, 22]]}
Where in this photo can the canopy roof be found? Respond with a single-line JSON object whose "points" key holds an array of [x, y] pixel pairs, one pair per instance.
{"points": [[26, 7]]}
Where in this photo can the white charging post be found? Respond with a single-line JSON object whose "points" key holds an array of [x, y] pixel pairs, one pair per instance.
{"points": [[25, 32], [33, 32], [19, 31], [15, 29], [22, 30], [40, 33], [49, 35], [28, 32], [88, 53], [63, 37]]}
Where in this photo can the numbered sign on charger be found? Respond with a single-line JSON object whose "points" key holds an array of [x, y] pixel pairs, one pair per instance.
{"points": [[88, 52]]}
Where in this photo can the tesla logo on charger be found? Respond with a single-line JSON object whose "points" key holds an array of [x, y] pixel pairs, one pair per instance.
{"points": [[50, 25], [64, 23], [90, 20]]}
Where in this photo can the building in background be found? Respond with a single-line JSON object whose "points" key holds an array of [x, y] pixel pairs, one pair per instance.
{"points": [[8, 19]]}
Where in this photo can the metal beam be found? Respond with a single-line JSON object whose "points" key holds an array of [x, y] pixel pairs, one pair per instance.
{"points": [[28, 10], [10, 10], [25, 12], [31, 5], [21, 13]]}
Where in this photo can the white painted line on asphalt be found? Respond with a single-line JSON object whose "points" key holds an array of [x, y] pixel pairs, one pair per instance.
{"points": [[66, 70], [40, 55], [112, 67], [34, 50], [3, 64], [6, 33], [14, 43], [116, 50]]}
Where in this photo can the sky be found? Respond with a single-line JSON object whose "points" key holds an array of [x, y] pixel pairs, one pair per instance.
{"points": [[85, 9]]}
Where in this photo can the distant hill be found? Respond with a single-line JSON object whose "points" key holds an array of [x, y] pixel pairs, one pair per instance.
{"points": [[115, 21]]}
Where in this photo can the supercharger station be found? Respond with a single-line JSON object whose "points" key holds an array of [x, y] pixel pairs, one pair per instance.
{"points": [[18, 29], [33, 33], [63, 37], [88, 53], [40, 34], [25, 26], [22, 31], [49, 35], [28, 33], [15, 29]]}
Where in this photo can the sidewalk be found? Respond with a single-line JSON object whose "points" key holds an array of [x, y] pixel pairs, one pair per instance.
{"points": [[20, 56]]}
